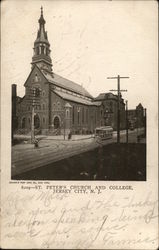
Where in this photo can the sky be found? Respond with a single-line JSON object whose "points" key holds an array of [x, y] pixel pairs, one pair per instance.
{"points": [[90, 41]]}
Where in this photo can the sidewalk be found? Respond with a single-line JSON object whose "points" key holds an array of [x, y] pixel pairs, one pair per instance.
{"points": [[55, 137], [73, 138]]}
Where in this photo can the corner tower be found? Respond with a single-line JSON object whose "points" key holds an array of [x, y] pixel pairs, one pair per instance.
{"points": [[41, 48]]}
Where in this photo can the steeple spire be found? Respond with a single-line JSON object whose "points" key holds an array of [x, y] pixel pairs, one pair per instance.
{"points": [[41, 10], [42, 47], [41, 20]]}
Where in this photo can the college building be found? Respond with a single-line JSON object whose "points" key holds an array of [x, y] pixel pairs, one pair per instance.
{"points": [[60, 106]]}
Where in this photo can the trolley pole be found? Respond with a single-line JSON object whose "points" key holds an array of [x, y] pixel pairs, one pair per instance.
{"points": [[118, 114], [127, 134], [119, 99]]}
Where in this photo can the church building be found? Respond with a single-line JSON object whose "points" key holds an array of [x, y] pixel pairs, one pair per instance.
{"points": [[61, 105]]}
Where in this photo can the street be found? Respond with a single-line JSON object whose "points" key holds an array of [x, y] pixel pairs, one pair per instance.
{"points": [[25, 157]]}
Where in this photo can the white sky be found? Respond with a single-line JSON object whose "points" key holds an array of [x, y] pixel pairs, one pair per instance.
{"points": [[90, 41]]}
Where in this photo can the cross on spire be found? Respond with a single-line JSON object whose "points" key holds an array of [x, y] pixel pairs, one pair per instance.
{"points": [[41, 10], [41, 20]]}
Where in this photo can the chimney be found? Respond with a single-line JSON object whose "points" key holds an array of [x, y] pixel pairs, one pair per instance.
{"points": [[14, 90]]}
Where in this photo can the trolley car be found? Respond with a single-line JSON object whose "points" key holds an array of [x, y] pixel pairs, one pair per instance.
{"points": [[104, 133]]}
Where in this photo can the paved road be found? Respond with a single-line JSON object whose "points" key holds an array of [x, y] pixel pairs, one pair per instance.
{"points": [[25, 157]]}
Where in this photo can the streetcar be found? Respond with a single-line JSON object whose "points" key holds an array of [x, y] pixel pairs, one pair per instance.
{"points": [[105, 132]]}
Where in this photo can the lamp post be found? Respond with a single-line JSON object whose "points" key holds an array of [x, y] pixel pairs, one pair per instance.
{"points": [[64, 122], [67, 117], [32, 116], [35, 95], [78, 110]]}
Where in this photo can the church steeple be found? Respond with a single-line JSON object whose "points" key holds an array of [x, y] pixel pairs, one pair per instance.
{"points": [[41, 48]]}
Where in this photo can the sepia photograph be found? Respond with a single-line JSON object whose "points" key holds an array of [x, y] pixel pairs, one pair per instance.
{"points": [[79, 124], [76, 114]]}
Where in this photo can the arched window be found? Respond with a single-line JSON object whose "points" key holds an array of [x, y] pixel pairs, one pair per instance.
{"points": [[67, 113], [82, 114], [37, 50], [58, 105], [56, 122], [87, 115], [47, 52], [73, 114], [42, 49], [23, 122], [54, 106], [95, 118], [43, 106], [36, 121], [29, 121], [78, 115]]}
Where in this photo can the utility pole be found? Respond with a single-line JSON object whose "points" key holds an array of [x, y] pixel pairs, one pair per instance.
{"points": [[34, 98], [119, 93], [32, 115], [32, 124], [145, 122], [127, 135]]}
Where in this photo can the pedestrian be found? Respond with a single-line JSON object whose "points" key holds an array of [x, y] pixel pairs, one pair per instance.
{"points": [[69, 135], [36, 143]]}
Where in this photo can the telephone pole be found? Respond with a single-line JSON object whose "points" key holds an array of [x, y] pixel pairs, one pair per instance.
{"points": [[119, 93], [127, 135], [33, 98]]}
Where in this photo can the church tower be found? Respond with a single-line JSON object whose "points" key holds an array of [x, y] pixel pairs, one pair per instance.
{"points": [[41, 48]]}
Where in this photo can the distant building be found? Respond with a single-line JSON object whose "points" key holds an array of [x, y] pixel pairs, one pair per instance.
{"points": [[63, 105], [109, 109], [136, 117], [14, 109]]}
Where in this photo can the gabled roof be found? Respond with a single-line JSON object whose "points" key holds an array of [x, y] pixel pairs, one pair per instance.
{"points": [[139, 106], [34, 67], [61, 82], [100, 97], [108, 96], [104, 96], [77, 99], [65, 83]]}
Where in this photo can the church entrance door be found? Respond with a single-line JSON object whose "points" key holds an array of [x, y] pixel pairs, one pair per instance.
{"points": [[36, 122], [56, 122]]}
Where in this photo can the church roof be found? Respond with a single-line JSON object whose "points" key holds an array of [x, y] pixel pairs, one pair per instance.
{"points": [[100, 97], [66, 84], [78, 99], [106, 96]]}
